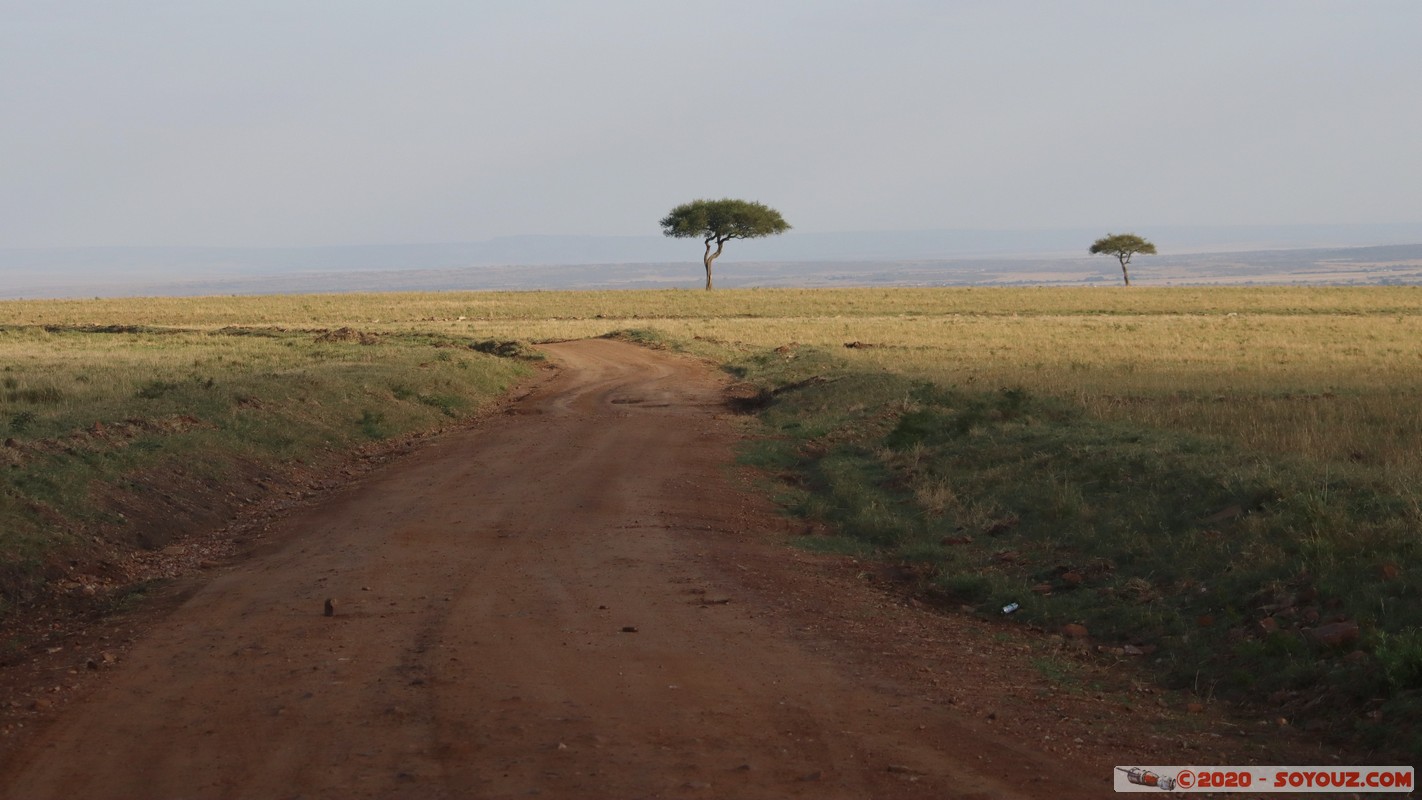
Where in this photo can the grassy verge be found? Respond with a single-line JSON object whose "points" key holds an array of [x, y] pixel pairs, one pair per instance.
{"points": [[1243, 576], [124, 436]]}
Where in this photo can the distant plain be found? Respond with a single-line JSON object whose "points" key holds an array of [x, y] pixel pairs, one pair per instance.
{"points": [[1252, 257]]}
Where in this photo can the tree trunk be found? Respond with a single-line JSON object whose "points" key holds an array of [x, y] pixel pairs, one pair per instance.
{"points": [[710, 256], [1124, 273]]}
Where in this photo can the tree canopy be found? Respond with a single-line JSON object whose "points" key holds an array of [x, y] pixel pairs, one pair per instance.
{"points": [[1122, 246], [719, 221]]}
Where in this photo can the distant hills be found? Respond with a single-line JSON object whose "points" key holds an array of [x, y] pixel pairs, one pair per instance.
{"points": [[1315, 254]]}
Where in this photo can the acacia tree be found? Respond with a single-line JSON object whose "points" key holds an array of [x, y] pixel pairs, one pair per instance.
{"points": [[719, 221], [1122, 246]]}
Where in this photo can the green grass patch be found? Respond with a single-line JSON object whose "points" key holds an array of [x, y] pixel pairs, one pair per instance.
{"points": [[1224, 563], [102, 419]]}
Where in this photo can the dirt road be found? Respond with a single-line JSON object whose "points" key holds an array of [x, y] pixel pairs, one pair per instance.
{"points": [[573, 599]]}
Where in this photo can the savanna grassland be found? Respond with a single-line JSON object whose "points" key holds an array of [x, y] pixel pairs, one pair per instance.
{"points": [[1224, 485]]}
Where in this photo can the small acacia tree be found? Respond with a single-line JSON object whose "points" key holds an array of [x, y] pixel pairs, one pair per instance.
{"points": [[1122, 246], [719, 221]]}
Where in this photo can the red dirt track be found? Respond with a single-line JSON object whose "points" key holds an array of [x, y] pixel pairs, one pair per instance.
{"points": [[575, 599]]}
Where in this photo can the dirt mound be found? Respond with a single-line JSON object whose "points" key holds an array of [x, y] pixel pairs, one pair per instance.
{"points": [[507, 349], [350, 335], [747, 398]]}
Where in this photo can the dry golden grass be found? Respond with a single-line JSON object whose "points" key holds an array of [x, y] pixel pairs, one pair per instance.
{"points": [[422, 308], [1327, 373]]}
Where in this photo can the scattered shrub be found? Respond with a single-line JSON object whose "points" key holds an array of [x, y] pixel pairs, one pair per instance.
{"points": [[21, 422], [154, 389], [370, 423]]}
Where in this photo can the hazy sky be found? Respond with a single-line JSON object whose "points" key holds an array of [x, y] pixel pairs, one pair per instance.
{"points": [[288, 122]]}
